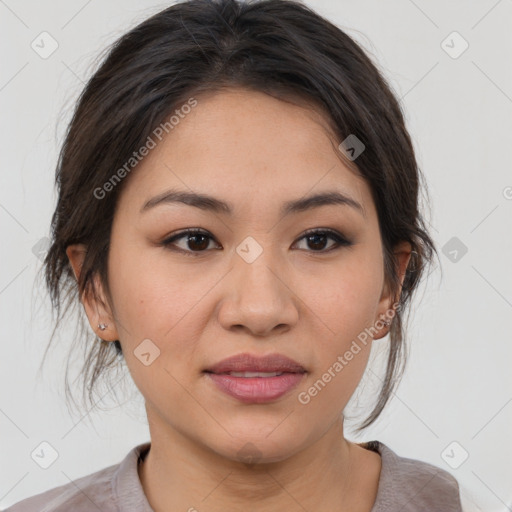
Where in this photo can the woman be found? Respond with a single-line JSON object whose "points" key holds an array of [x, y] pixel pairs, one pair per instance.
{"points": [[238, 215]]}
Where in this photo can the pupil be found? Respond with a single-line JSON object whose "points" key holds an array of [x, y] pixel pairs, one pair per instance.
{"points": [[315, 238], [201, 246]]}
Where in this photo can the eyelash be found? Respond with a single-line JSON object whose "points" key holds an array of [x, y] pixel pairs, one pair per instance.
{"points": [[340, 240]]}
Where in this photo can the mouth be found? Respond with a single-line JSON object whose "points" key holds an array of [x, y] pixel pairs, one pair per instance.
{"points": [[254, 379], [246, 375], [262, 365]]}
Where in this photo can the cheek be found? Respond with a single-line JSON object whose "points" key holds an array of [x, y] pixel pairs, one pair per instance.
{"points": [[346, 297], [151, 295], [345, 304], [154, 301], [341, 355]]}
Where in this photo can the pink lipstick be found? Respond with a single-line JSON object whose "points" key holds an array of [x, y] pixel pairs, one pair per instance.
{"points": [[256, 379]]}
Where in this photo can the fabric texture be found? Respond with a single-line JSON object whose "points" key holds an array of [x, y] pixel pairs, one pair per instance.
{"points": [[405, 485]]}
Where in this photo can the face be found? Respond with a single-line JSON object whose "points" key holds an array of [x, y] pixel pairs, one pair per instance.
{"points": [[253, 281]]}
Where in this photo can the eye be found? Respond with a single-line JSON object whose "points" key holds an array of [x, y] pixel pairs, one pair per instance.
{"points": [[317, 239], [198, 241]]}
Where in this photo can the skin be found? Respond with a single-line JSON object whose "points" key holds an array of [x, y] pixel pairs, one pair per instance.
{"points": [[296, 298]]}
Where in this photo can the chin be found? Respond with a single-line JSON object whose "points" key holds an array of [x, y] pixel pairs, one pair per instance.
{"points": [[266, 444]]}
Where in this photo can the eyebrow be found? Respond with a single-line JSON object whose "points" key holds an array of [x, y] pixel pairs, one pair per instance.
{"points": [[209, 203]]}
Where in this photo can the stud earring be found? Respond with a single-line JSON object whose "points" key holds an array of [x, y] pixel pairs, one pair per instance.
{"points": [[102, 327]]}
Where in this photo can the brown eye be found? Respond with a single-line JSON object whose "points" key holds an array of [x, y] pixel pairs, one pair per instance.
{"points": [[317, 239], [195, 241]]}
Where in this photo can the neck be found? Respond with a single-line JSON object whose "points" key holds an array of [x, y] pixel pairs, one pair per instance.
{"points": [[179, 473]]}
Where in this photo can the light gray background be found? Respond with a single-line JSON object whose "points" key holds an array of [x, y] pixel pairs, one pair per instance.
{"points": [[458, 386]]}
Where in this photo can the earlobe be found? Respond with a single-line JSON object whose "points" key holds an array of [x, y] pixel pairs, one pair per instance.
{"points": [[97, 310]]}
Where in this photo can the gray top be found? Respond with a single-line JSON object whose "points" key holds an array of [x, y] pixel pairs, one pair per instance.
{"points": [[405, 484]]}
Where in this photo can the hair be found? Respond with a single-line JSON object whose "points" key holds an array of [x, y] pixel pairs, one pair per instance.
{"points": [[279, 47]]}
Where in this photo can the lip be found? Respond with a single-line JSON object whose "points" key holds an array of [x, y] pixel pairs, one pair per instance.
{"points": [[251, 363], [256, 390]]}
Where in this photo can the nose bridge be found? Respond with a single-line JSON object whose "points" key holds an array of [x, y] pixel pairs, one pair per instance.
{"points": [[257, 296], [257, 267]]}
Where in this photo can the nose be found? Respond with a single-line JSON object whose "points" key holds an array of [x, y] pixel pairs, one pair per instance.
{"points": [[257, 297]]}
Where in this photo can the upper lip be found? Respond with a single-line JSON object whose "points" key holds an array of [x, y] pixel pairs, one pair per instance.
{"points": [[251, 363]]}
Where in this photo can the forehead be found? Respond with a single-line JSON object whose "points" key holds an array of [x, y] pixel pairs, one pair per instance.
{"points": [[250, 149]]}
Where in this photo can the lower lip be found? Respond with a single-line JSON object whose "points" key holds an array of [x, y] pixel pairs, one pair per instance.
{"points": [[256, 390]]}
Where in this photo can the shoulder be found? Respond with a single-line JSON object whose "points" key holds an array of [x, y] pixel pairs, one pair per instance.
{"points": [[96, 491], [80, 495], [412, 485]]}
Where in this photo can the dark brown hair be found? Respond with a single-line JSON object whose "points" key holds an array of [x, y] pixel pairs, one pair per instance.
{"points": [[279, 47]]}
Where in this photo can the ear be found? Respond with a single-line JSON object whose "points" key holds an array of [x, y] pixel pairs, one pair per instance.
{"points": [[97, 310], [386, 309]]}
